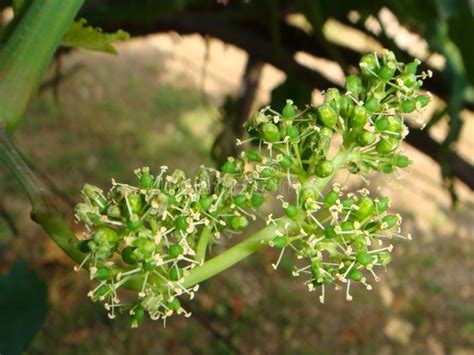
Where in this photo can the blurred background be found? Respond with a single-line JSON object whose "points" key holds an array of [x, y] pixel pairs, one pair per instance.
{"points": [[177, 94]]}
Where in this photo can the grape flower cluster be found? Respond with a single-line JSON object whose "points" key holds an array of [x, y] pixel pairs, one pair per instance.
{"points": [[152, 236]]}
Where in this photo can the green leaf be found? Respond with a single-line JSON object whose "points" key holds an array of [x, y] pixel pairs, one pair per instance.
{"points": [[22, 308], [80, 35]]}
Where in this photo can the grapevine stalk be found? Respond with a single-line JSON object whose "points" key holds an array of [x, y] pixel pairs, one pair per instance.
{"points": [[28, 52]]}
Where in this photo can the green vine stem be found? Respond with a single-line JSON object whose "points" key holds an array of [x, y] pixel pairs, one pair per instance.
{"points": [[44, 210], [238, 252], [28, 52], [203, 242]]}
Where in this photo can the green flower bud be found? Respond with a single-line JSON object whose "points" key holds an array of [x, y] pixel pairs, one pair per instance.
{"points": [[286, 162], [386, 145], [423, 100], [267, 172], [289, 111], [395, 124], [113, 211], [347, 106], [403, 161], [102, 274], [257, 200], [291, 211], [324, 169], [137, 316], [330, 232], [386, 73], [128, 255], [327, 115], [331, 197], [384, 258], [390, 220], [239, 222], [280, 242], [355, 275], [135, 202], [253, 155], [382, 204], [228, 167], [408, 106], [333, 98], [240, 200], [181, 223], [105, 235], [382, 124], [146, 181], [205, 203], [364, 258], [293, 133], [145, 246], [365, 138], [271, 133], [273, 185], [408, 79], [366, 207], [371, 104], [359, 116], [354, 85], [173, 304], [175, 273], [412, 67], [84, 247], [175, 250], [368, 64]]}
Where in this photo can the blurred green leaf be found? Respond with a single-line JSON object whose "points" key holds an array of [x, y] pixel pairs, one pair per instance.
{"points": [[80, 35], [22, 308]]}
